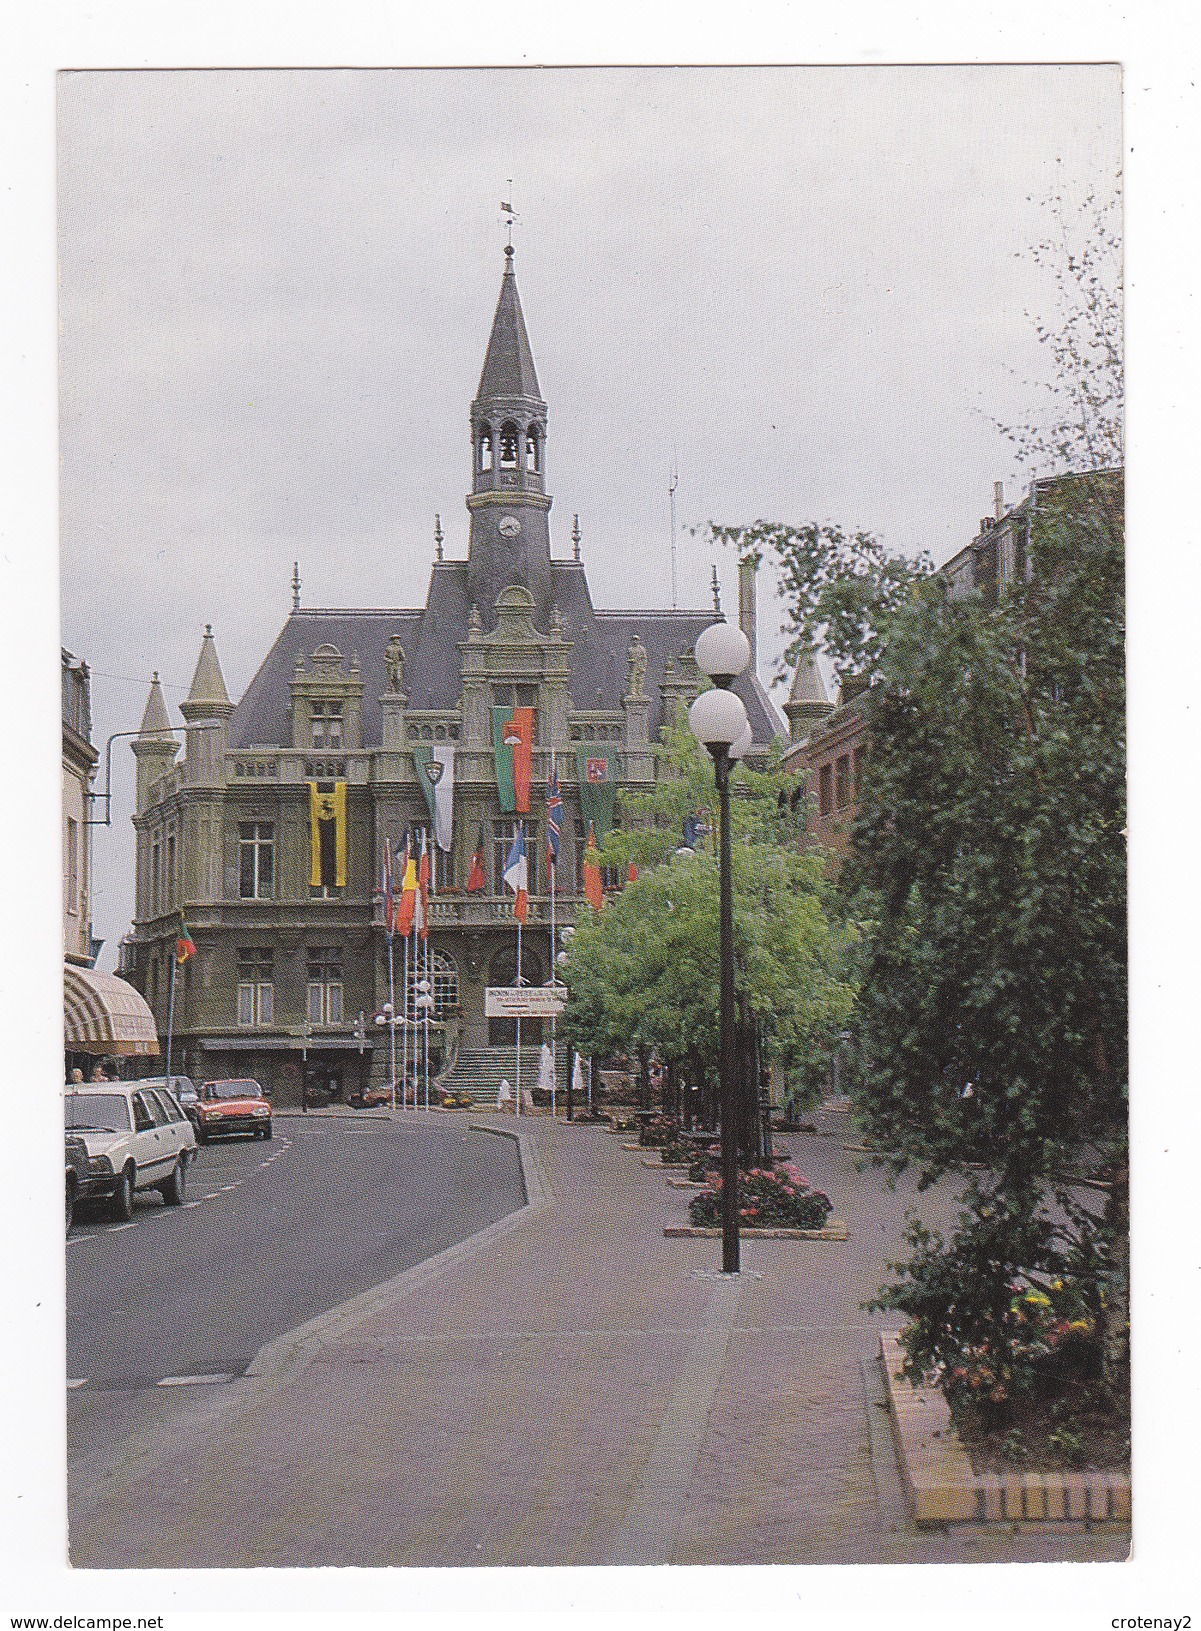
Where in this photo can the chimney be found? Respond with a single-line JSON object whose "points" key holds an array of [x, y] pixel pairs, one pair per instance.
{"points": [[746, 605], [998, 498]]}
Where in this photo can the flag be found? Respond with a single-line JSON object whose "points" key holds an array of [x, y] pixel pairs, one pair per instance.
{"points": [[598, 785], [477, 878], [327, 835], [513, 752], [435, 764], [517, 876], [423, 891], [408, 894], [594, 892], [185, 946], [554, 819], [386, 886], [632, 874]]}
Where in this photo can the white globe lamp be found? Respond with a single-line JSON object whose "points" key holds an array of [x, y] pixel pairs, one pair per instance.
{"points": [[718, 719], [722, 652]]}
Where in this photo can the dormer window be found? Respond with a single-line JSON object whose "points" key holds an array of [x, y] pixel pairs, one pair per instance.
{"points": [[508, 445], [327, 725], [485, 447], [532, 459]]}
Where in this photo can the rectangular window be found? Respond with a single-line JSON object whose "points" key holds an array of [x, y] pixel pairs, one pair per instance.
{"points": [[256, 859], [172, 894], [825, 790], [857, 771], [324, 985], [327, 725], [503, 833], [72, 866], [156, 877], [256, 989], [842, 781], [514, 696]]}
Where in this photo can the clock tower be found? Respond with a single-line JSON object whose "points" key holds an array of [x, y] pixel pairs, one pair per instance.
{"points": [[510, 534]]}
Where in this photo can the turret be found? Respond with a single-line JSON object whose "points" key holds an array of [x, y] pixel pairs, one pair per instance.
{"points": [[154, 746], [207, 712], [808, 701], [510, 535]]}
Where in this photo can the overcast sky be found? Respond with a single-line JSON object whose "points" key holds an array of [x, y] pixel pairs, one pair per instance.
{"points": [[808, 286]]}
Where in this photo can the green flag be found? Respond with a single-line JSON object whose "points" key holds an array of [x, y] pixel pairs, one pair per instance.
{"points": [[503, 755], [596, 772]]}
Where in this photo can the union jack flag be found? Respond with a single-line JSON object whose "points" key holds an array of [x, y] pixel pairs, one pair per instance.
{"points": [[554, 818]]}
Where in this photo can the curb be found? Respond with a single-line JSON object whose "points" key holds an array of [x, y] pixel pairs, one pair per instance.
{"points": [[833, 1231], [940, 1483], [97, 1480]]}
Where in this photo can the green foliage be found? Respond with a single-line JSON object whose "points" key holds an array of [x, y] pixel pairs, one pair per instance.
{"points": [[644, 972], [987, 872], [768, 1198]]}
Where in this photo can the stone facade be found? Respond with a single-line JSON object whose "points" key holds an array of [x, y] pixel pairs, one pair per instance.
{"points": [[79, 770], [284, 969]]}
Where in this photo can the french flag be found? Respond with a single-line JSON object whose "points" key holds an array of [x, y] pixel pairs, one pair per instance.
{"points": [[517, 876]]}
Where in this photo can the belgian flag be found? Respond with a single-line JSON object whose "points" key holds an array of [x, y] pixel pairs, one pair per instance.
{"points": [[327, 833]]}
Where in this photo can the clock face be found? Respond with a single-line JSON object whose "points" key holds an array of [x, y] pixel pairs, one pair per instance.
{"points": [[510, 526]]}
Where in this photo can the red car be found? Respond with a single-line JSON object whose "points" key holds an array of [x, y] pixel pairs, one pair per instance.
{"points": [[381, 1093], [235, 1106]]}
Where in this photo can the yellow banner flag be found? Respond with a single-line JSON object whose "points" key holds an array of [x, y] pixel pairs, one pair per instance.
{"points": [[327, 836]]}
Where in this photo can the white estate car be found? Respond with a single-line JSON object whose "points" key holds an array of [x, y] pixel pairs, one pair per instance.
{"points": [[137, 1137]]}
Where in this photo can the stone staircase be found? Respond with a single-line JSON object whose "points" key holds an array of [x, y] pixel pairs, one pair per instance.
{"points": [[478, 1071]]}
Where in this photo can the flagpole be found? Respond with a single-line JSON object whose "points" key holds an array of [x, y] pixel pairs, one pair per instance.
{"points": [[171, 1014], [392, 1015], [554, 1057], [518, 1019], [404, 1035], [415, 967], [425, 1011]]}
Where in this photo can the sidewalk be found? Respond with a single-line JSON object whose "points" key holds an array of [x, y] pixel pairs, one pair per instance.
{"points": [[569, 1388]]}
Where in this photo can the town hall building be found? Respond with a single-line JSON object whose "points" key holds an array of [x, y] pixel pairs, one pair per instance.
{"points": [[362, 713]]}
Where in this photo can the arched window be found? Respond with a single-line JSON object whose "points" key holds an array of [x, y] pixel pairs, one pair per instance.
{"points": [[532, 460], [485, 447], [444, 978], [508, 445]]}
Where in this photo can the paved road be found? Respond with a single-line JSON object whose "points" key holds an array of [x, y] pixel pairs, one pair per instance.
{"points": [[272, 1234]]}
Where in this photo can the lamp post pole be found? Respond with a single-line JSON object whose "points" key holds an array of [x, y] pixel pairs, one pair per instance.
{"points": [[719, 722], [729, 1060]]}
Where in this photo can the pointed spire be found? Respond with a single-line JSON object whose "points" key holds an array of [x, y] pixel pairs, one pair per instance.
{"points": [[576, 535], [208, 695], [807, 682], [156, 722], [295, 586], [509, 361], [437, 537]]}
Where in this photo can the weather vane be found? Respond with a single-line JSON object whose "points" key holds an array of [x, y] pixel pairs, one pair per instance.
{"points": [[507, 206]]}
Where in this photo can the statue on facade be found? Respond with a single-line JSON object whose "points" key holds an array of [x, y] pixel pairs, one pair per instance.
{"points": [[636, 674], [394, 659]]}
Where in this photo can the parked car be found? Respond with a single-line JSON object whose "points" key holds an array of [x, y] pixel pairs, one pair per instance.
{"points": [[371, 1097], [78, 1174], [238, 1105], [182, 1087], [136, 1137]]}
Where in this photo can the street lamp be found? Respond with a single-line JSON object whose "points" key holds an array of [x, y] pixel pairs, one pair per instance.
{"points": [[718, 720]]}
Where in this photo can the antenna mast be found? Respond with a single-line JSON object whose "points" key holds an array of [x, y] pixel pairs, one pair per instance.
{"points": [[671, 493]]}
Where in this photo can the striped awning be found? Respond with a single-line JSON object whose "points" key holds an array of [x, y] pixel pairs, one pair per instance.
{"points": [[102, 1014]]}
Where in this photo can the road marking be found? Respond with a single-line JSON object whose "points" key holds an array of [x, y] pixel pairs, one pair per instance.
{"points": [[225, 1187], [77, 1381], [117, 1227], [194, 1381]]}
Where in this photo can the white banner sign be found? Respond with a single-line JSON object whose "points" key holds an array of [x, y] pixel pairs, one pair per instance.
{"points": [[524, 1002]]}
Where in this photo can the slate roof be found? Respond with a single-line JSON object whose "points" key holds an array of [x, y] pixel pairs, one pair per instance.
{"points": [[431, 639], [509, 361]]}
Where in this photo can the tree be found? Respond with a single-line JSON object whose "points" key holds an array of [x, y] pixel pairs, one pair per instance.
{"points": [[643, 973], [987, 862]]}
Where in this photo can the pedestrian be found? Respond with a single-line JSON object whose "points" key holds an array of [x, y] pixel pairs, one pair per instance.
{"points": [[76, 1075], [98, 1074]]}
